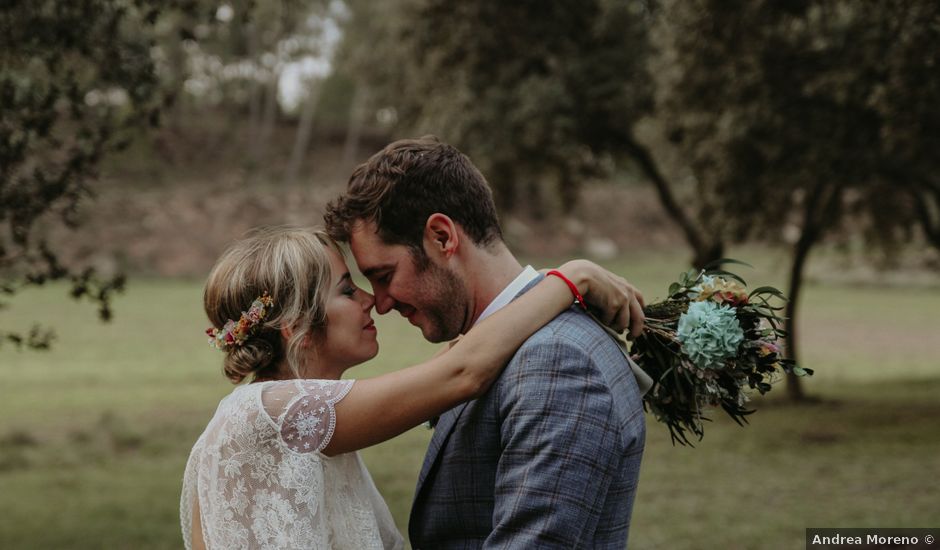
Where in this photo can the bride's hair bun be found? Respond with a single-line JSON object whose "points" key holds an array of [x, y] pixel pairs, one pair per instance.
{"points": [[291, 265], [256, 357]]}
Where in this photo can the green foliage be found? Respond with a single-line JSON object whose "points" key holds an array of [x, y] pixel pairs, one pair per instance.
{"points": [[708, 345], [238, 54], [75, 79], [540, 95], [818, 113], [805, 120]]}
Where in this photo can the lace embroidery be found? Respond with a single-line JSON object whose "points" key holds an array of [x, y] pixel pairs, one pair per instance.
{"points": [[254, 490], [310, 420]]}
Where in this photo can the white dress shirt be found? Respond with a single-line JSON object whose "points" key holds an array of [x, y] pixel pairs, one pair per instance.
{"points": [[515, 287]]}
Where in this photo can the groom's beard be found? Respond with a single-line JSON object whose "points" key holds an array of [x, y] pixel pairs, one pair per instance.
{"points": [[445, 305]]}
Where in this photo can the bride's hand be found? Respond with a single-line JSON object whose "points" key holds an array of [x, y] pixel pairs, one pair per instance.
{"points": [[614, 301]]}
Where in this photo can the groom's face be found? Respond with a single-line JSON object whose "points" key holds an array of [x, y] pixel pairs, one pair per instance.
{"points": [[432, 297]]}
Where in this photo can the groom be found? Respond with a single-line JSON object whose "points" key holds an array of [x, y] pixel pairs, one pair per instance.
{"points": [[550, 456]]}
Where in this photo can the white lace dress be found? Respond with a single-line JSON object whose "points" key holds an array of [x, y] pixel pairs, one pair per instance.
{"points": [[262, 481]]}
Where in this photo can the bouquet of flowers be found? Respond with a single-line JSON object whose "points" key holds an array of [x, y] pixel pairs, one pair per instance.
{"points": [[709, 344]]}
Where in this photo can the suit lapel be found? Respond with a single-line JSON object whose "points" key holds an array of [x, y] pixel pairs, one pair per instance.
{"points": [[445, 425], [447, 422], [442, 431]]}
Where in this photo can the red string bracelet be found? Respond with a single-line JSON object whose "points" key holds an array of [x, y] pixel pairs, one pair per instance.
{"points": [[571, 286]]}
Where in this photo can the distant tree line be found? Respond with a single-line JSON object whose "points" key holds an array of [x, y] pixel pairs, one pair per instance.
{"points": [[820, 116], [817, 115]]}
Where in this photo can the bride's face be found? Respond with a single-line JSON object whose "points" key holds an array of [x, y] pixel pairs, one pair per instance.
{"points": [[350, 336]]}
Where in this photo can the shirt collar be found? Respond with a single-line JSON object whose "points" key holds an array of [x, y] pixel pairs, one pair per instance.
{"points": [[515, 287]]}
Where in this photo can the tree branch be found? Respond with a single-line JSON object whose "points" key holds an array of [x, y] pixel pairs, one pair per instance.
{"points": [[703, 250], [927, 204]]}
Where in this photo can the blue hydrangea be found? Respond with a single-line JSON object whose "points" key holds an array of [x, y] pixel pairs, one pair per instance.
{"points": [[709, 334]]}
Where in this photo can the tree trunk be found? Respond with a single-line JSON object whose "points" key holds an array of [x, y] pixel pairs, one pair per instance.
{"points": [[704, 251], [927, 204], [268, 104], [268, 118], [820, 208], [800, 254], [357, 115], [304, 129], [255, 91]]}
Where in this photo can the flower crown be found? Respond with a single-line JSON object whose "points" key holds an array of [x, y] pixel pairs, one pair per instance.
{"points": [[235, 334]]}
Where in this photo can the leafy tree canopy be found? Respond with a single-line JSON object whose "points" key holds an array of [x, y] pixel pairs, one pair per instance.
{"points": [[532, 91], [822, 113], [75, 78]]}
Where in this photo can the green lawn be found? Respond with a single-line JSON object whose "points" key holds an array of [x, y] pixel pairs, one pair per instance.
{"points": [[94, 434]]}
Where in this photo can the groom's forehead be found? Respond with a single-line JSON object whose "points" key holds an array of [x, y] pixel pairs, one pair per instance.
{"points": [[370, 251], [365, 236]]}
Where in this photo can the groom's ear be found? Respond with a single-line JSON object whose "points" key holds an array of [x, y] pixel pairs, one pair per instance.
{"points": [[440, 235]]}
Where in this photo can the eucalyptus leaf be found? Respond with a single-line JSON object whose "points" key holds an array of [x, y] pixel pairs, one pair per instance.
{"points": [[716, 264], [768, 290], [728, 275]]}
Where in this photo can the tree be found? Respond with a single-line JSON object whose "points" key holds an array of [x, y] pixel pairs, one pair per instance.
{"points": [[240, 61], [541, 96], [366, 67], [76, 78], [322, 35], [817, 114]]}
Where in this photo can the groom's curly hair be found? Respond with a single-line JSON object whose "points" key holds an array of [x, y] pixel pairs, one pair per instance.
{"points": [[402, 185]]}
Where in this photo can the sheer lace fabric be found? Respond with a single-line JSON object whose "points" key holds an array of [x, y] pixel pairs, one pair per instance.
{"points": [[261, 480]]}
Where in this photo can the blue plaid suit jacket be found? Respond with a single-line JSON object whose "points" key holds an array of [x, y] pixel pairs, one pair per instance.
{"points": [[548, 458]]}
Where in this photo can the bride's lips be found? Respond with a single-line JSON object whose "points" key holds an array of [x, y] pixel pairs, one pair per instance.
{"points": [[370, 325]]}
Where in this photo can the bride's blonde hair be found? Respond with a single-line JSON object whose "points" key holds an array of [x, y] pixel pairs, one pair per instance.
{"points": [[292, 265]]}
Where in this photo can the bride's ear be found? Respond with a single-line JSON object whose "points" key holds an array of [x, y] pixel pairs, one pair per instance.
{"points": [[286, 334], [441, 235]]}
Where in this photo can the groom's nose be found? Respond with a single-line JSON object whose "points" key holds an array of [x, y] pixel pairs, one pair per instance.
{"points": [[383, 302]]}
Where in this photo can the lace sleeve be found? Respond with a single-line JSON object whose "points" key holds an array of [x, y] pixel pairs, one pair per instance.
{"points": [[309, 419]]}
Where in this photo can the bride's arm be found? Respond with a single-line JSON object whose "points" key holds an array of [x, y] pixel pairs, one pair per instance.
{"points": [[197, 539], [377, 409]]}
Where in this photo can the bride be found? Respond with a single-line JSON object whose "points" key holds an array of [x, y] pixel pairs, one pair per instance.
{"points": [[276, 466]]}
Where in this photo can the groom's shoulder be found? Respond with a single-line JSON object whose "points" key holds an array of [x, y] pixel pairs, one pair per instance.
{"points": [[572, 332], [571, 351]]}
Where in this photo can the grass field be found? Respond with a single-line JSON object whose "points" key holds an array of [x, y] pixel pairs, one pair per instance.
{"points": [[94, 434]]}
